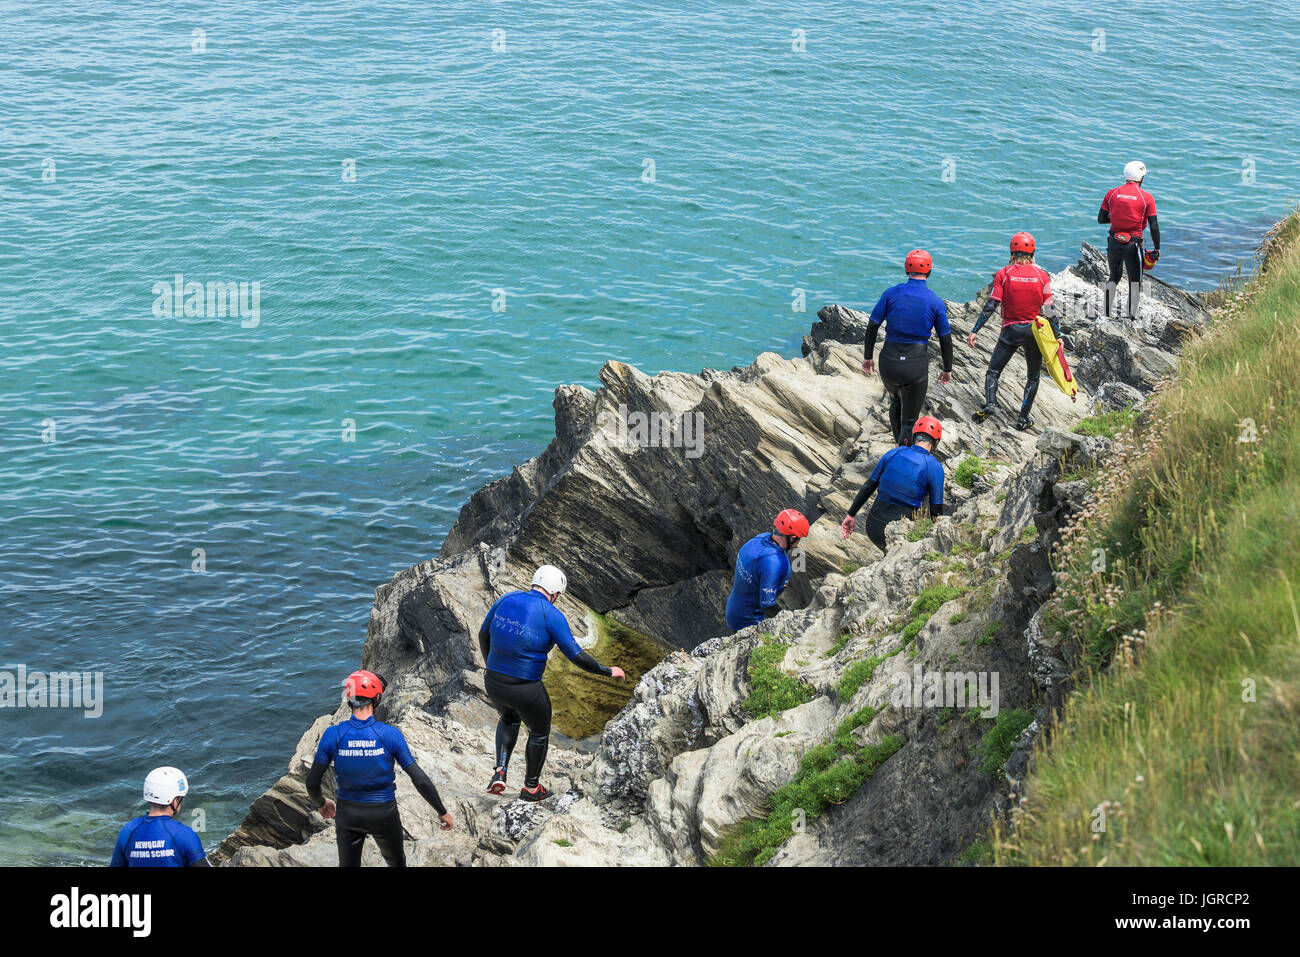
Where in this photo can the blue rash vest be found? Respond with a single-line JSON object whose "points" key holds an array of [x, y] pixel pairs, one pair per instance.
{"points": [[157, 841], [364, 753], [762, 572], [909, 475], [911, 311], [523, 626]]}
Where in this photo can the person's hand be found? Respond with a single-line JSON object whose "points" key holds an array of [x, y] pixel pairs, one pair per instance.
{"points": [[869, 366], [945, 378], [846, 526], [445, 822], [328, 809], [970, 340], [615, 672]]}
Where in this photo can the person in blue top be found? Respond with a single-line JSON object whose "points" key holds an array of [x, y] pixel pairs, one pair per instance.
{"points": [[763, 571], [908, 478], [516, 636], [363, 752], [910, 312], [157, 839]]}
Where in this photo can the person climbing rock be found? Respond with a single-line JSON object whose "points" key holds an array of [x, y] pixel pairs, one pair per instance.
{"points": [[910, 313], [1023, 290], [157, 839], [515, 638], [763, 571], [907, 478], [363, 752], [1129, 209]]}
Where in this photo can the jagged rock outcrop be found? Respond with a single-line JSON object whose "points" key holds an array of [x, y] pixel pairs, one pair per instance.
{"points": [[648, 532]]}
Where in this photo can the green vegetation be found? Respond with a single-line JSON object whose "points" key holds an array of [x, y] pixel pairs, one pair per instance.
{"points": [[828, 774], [1182, 590], [969, 469], [838, 646], [990, 632], [920, 528], [999, 741], [561, 842], [857, 674], [1108, 424], [773, 691], [978, 852]]}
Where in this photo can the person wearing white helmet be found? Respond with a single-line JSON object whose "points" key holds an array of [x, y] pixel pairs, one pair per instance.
{"points": [[518, 633], [1128, 210], [157, 839]]}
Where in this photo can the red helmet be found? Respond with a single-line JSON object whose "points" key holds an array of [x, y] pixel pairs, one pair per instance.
{"points": [[363, 684], [791, 522], [918, 260], [928, 425], [1022, 243]]}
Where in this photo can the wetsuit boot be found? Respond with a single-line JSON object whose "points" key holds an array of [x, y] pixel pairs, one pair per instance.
{"points": [[990, 397]]}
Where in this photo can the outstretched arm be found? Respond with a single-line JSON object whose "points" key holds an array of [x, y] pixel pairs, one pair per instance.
{"points": [[990, 305]]}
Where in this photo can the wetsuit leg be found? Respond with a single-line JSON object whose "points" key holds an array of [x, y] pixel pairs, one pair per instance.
{"points": [[348, 835], [879, 516], [526, 700], [387, 831], [354, 821], [905, 373], [1033, 365], [1003, 350], [1121, 257]]}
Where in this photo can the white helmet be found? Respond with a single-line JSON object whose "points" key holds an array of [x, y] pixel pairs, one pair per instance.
{"points": [[1135, 172], [164, 785], [551, 579]]}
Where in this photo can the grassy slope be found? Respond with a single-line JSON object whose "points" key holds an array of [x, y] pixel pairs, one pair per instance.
{"points": [[1208, 527]]}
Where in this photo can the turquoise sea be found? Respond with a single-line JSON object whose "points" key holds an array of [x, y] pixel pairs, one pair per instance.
{"points": [[537, 187]]}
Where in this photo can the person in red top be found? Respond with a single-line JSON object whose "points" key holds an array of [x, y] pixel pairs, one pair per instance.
{"points": [[1129, 209], [1023, 290]]}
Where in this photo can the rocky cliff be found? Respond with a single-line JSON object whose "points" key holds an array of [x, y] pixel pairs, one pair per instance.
{"points": [[648, 532]]}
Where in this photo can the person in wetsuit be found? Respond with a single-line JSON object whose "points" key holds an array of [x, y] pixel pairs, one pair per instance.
{"points": [[910, 312], [908, 478], [157, 839], [363, 752], [763, 571], [515, 638], [1023, 290], [1128, 210]]}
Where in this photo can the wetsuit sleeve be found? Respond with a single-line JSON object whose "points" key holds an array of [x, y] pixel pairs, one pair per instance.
{"points": [[192, 850], [425, 786], [936, 488], [485, 631], [945, 351], [314, 778], [987, 311], [1103, 214], [558, 627], [325, 750], [877, 317], [1155, 230], [772, 580], [399, 749], [864, 493]]}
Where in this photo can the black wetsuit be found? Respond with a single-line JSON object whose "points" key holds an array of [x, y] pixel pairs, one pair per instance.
{"points": [[518, 700], [1127, 257], [912, 313]]}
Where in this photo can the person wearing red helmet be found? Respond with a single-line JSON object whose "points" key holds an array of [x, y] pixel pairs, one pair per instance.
{"points": [[763, 571], [363, 752], [1128, 210], [910, 312], [908, 478], [1023, 290]]}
